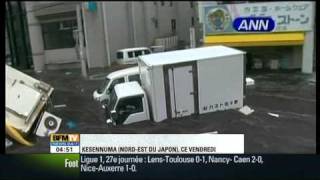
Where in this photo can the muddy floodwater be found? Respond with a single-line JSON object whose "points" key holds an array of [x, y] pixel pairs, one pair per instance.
{"points": [[289, 94]]}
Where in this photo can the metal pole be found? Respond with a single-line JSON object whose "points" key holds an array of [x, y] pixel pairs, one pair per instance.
{"points": [[133, 24], [80, 31], [24, 36], [14, 41], [10, 41], [106, 35]]}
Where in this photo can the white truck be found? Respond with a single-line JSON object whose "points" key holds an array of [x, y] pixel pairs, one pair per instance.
{"points": [[180, 83], [102, 94], [26, 103]]}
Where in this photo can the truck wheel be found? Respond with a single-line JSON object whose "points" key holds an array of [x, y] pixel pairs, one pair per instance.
{"points": [[50, 123]]}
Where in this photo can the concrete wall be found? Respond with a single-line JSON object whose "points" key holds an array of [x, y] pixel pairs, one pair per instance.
{"points": [[118, 25], [59, 56], [125, 24], [166, 13], [138, 21], [185, 12], [151, 13], [95, 40]]}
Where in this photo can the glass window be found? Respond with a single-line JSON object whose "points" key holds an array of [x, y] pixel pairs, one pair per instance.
{"points": [[137, 53], [103, 86], [128, 106], [146, 52], [135, 78], [130, 54], [57, 35], [120, 55], [115, 82], [113, 100]]}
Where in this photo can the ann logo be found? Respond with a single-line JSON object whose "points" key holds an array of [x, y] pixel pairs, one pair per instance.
{"points": [[254, 24]]}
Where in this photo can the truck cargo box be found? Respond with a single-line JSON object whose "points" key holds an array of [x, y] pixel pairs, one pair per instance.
{"points": [[193, 81]]}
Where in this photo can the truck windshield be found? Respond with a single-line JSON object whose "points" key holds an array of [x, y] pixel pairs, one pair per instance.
{"points": [[103, 86], [113, 100]]}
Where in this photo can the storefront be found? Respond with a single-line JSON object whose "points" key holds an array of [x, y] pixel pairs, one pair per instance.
{"points": [[289, 46]]}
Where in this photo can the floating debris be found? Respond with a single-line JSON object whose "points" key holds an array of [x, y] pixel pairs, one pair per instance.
{"points": [[249, 81], [312, 80], [8, 143], [246, 110], [60, 106], [274, 115], [213, 132], [68, 73], [71, 124]]}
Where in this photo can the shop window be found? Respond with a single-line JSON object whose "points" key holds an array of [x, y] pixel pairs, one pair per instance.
{"points": [[58, 35]]}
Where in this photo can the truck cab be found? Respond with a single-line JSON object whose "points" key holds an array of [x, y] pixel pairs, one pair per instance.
{"points": [[128, 104], [114, 78]]}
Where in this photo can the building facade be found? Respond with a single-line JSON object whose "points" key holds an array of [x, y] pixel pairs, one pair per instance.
{"points": [[108, 26], [291, 44]]}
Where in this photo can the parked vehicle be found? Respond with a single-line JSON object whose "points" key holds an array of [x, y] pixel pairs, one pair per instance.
{"points": [[180, 83], [120, 76], [130, 55]]}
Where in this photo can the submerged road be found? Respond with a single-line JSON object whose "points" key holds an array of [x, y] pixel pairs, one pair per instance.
{"points": [[289, 94]]}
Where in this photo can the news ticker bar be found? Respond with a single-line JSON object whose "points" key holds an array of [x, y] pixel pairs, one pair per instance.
{"points": [[160, 165], [147, 143]]}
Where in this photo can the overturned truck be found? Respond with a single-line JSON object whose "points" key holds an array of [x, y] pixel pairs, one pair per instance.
{"points": [[26, 104]]}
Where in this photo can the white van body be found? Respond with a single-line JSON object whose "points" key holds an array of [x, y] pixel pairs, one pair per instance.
{"points": [[120, 76], [130, 55], [193, 81], [183, 83]]}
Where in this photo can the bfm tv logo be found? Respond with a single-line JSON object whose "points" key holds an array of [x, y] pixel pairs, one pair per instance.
{"points": [[254, 24], [65, 138]]}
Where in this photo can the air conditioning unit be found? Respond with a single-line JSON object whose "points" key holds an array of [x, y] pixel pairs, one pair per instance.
{"points": [[48, 124]]}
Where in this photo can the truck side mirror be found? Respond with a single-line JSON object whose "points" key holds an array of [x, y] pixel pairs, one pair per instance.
{"points": [[113, 115]]}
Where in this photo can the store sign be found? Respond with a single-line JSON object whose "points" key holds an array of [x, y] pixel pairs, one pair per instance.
{"points": [[287, 16]]}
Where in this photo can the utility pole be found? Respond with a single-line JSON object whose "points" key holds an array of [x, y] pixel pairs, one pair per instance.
{"points": [[80, 36]]}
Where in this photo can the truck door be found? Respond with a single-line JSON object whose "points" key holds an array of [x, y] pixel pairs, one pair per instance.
{"points": [[130, 110], [181, 90]]}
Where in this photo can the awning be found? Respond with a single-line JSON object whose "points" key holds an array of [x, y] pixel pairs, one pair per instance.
{"points": [[270, 39]]}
